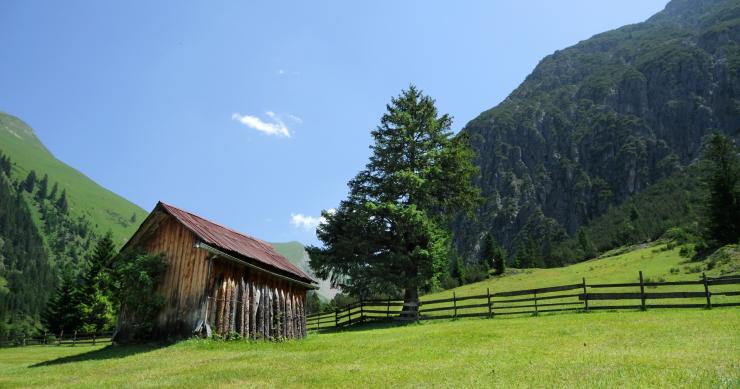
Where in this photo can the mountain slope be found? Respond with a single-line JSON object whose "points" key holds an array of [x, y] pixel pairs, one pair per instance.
{"points": [[49, 222], [600, 121], [296, 253], [102, 208]]}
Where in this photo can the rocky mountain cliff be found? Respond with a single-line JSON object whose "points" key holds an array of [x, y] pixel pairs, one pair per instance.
{"points": [[600, 121]]}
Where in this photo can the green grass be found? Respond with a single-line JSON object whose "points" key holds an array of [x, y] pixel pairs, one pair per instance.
{"points": [[672, 348], [105, 209]]}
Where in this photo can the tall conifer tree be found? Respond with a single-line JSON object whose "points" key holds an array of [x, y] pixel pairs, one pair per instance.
{"points": [[391, 233]]}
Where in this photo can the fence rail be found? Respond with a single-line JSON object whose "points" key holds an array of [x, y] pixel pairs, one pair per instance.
{"points": [[624, 295], [73, 339]]}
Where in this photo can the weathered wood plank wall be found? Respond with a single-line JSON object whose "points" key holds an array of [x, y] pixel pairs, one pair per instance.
{"points": [[184, 282]]}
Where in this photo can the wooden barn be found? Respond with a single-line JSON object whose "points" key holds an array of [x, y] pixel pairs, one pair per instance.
{"points": [[220, 281]]}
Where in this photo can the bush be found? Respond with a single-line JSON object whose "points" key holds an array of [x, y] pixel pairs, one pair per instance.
{"points": [[475, 273], [135, 277], [693, 269]]}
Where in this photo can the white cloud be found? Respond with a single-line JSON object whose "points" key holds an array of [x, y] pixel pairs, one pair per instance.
{"points": [[306, 222], [275, 126]]}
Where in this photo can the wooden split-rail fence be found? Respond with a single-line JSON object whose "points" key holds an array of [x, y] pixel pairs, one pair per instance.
{"points": [[642, 295], [73, 338]]}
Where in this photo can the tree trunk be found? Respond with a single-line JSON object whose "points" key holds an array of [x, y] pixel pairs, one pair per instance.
{"points": [[410, 308]]}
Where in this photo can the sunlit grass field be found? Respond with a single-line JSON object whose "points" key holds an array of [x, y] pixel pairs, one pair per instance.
{"points": [[666, 348], [657, 262]]}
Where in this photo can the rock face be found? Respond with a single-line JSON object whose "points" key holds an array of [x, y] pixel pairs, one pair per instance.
{"points": [[602, 120]]}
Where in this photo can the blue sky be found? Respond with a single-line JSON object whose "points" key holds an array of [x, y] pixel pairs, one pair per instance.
{"points": [[256, 114]]}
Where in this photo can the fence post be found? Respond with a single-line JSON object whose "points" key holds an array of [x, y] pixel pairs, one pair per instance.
{"points": [[94, 333], [59, 341], [454, 304], [706, 290], [362, 310], [388, 311], [349, 315], [536, 312], [74, 338], [336, 317], [490, 310], [642, 291], [45, 339], [585, 295]]}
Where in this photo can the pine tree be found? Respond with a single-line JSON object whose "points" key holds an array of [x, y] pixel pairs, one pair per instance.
{"points": [[62, 313], [42, 188], [459, 270], [95, 304], [29, 183], [488, 251], [589, 250], [53, 193], [721, 180], [500, 261], [62, 202], [390, 235], [5, 164]]}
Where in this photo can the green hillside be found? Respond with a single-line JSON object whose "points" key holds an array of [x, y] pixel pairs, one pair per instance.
{"points": [[657, 262], [102, 208]]}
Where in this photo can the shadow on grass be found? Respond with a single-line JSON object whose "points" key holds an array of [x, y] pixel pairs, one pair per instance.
{"points": [[108, 352]]}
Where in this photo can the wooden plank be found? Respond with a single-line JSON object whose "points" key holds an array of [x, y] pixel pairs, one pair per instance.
{"points": [[726, 304], [538, 290], [435, 309], [552, 297], [667, 283], [724, 277], [476, 297], [437, 301], [472, 306], [670, 295], [642, 291], [452, 307], [612, 296], [729, 281], [559, 304], [622, 285], [377, 311], [725, 293]]}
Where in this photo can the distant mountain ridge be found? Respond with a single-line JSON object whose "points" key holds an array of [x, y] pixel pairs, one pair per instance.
{"points": [[599, 122]]}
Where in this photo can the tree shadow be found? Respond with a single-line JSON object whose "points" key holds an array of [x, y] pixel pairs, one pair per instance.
{"points": [[108, 352]]}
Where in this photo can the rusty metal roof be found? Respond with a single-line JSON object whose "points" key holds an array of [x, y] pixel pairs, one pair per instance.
{"points": [[234, 242]]}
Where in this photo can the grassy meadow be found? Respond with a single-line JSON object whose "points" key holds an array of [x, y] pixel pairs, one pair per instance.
{"points": [[658, 262], [666, 348]]}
